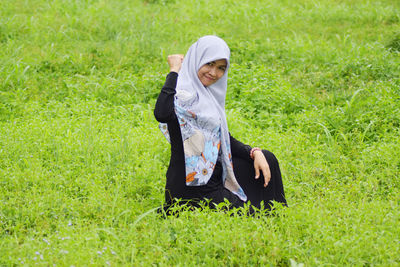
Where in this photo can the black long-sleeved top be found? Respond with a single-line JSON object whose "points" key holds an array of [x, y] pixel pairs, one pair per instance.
{"points": [[165, 112]]}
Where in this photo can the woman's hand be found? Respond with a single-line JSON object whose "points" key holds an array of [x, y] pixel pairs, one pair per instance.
{"points": [[175, 62], [260, 163]]}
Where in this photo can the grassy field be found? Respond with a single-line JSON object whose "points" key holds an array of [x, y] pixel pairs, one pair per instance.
{"points": [[82, 162]]}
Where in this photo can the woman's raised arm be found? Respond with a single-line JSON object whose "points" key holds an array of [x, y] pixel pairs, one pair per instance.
{"points": [[164, 110]]}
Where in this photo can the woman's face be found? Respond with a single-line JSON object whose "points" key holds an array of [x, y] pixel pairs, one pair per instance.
{"points": [[212, 71]]}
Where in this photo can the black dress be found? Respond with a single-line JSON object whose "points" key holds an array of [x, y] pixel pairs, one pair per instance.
{"points": [[214, 190]]}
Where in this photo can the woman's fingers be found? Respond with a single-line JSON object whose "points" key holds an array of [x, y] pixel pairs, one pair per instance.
{"points": [[175, 58], [175, 62], [267, 175], [256, 168], [260, 163]]}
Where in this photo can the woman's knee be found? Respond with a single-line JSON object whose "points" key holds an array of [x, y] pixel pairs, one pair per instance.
{"points": [[240, 163], [270, 157]]}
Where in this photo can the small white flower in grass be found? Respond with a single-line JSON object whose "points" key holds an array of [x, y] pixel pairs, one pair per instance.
{"points": [[113, 252], [99, 253], [69, 223], [293, 263], [46, 241]]}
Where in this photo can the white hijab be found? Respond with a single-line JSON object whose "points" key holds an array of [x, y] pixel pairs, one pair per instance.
{"points": [[201, 115]]}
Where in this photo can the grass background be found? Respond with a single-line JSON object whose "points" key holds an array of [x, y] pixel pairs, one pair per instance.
{"points": [[82, 162]]}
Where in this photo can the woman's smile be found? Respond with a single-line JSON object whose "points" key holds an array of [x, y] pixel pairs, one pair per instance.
{"points": [[209, 77]]}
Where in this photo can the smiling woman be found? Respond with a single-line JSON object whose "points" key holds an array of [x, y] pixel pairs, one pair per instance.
{"points": [[212, 71], [207, 163]]}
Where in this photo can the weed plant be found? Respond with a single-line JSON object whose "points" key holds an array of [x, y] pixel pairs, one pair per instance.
{"points": [[82, 162]]}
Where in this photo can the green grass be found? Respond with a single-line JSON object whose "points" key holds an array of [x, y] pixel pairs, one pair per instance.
{"points": [[82, 162]]}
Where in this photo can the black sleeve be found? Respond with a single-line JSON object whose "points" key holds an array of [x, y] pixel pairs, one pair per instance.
{"points": [[239, 149], [164, 110]]}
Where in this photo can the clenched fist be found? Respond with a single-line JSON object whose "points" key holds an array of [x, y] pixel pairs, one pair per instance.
{"points": [[175, 62]]}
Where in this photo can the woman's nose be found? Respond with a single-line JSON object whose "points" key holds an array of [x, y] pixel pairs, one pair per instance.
{"points": [[213, 71]]}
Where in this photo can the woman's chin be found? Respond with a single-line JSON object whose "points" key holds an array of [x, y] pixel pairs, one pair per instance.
{"points": [[208, 83]]}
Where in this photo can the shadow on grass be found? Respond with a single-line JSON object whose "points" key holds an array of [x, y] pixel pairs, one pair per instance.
{"points": [[180, 205]]}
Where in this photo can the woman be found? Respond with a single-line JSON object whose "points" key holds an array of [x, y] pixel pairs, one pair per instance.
{"points": [[207, 163]]}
